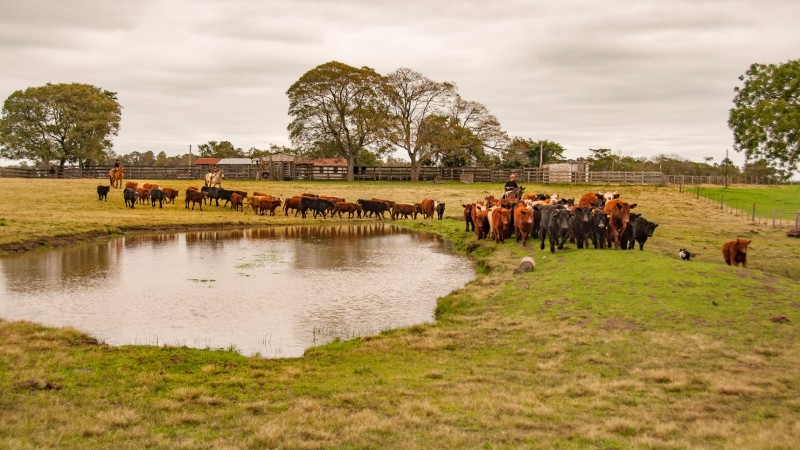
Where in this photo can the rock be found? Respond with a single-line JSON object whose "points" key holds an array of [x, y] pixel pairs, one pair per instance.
{"points": [[527, 264]]}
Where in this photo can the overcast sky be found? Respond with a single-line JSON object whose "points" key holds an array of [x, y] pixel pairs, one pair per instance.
{"points": [[642, 77]]}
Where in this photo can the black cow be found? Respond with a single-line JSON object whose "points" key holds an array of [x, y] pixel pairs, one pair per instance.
{"points": [[317, 205], [582, 225], [537, 220], [440, 210], [157, 195], [599, 228], [642, 229], [626, 239], [102, 192], [375, 206], [130, 196], [555, 223], [224, 194]]}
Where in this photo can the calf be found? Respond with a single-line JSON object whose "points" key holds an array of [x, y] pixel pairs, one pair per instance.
{"points": [[523, 223], [144, 195], [270, 204], [350, 208], [592, 199], [170, 195], [440, 210], [102, 192], [237, 202], [130, 195], [157, 195], [581, 223], [377, 207], [403, 209], [735, 252], [555, 224], [131, 185], [468, 216], [150, 186], [194, 196], [642, 229]]}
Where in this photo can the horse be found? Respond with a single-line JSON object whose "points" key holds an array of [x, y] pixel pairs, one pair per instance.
{"points": [[214, 179], [513, 194], [115, 176]]}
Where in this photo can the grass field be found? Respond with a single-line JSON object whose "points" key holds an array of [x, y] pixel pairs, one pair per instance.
{"points": [[594, 349], [784, 200]]}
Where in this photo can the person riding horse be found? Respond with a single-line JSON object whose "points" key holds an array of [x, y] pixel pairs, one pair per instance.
{"points": [[511, 189]]}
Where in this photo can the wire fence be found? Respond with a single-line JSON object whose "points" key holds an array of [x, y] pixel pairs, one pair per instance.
{"points": [[762, 214]]}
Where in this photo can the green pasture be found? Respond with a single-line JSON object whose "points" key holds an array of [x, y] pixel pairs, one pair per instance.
{"points": [[781, 198], [593, 349]]}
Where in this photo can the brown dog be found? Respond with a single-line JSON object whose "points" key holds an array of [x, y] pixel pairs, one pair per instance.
{"points": [[735, 252]]}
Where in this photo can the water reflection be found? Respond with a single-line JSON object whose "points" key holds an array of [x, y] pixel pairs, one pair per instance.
{"points": [[275, 291]]}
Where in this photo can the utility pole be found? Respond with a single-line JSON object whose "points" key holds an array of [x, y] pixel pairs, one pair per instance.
{"points": [[190, 155], [541, 146]]}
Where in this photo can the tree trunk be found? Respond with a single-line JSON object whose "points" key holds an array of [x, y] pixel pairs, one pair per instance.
{"points": [[415, 169], [351, 163]]}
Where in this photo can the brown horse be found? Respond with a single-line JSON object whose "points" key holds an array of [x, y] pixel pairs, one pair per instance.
{"points": [[115, 176]]}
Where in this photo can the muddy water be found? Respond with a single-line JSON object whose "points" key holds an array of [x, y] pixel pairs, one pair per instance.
{"points": [[273, 292]]}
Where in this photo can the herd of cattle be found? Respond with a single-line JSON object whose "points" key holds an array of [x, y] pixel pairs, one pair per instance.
{"points": [[603, 218], [261, 203]]}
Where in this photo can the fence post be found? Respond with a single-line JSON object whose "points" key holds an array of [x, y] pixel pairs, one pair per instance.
{"points": [[754, 212], [773, 217], [722, 202], [797, 220]]}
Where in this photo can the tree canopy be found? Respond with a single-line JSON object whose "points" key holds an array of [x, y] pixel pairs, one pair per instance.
{"points": [[221, 149], [766, 117], [526, 153], [338, 108], [59, 122]]}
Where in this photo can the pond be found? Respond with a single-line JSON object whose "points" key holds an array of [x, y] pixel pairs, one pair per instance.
{"points": [[272, 292]]}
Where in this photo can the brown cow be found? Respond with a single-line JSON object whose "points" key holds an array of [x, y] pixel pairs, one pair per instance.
{"points": [[292, 203], [481, 220], [500, 220], [619, 214], [194, 196], [403, 209], [735, 252], [591, 199], [237, 202], [144, 195], [349, 208], [468, 216], [523, 223], [270, 204], [132, 185], [150, 186], [170, 194], [427, 208]]}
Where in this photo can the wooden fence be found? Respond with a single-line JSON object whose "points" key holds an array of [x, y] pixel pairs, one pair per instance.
{"points": [[391, 173]]}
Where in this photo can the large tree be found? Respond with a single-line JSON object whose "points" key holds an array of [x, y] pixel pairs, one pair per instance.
{"points": [[338, 108], [219, 149], [412, 99], [59, 122], [766, 117], [482, 124], [527, 153]]}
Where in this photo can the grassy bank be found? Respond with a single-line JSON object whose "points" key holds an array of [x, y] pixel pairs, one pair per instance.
{"points": [[593, 349]]}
